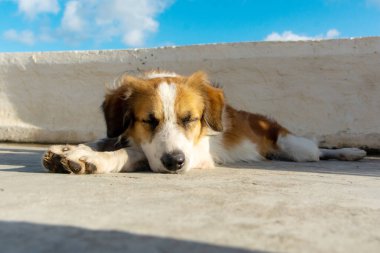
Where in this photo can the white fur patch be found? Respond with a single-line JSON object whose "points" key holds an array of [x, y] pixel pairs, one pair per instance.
{"points": [[298, 148], [169, 137], [157, 74], [245, 151], [117, 82], [344, 154], [200, 157], [168, 94]]}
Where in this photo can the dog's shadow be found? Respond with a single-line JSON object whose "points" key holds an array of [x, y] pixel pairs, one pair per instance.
{"points": [[369, 166], [21, 160], [60, 238]]}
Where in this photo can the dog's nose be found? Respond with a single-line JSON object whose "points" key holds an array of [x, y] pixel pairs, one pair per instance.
{"points": [[173, 161]]}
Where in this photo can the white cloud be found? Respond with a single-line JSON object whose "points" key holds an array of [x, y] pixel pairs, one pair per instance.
{"points": [[131, 21], [72, 21], [31, 8], [290, 36], [332, 33], [25, 37], [135, 37]]}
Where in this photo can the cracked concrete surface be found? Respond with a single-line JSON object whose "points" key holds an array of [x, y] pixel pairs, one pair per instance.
{"points": [[327, 206]]}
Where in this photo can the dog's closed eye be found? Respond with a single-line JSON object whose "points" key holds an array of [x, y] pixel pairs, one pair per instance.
{"points": [[188, 119], [152, 121]]}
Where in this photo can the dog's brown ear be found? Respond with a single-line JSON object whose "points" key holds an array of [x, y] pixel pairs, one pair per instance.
{"points": [[214, 100], [116, 107]]}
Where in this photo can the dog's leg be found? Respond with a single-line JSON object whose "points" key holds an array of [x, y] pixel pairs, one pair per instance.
{"points": [[343, 154], [51, 159], [298, 149], [84, 161], [102, 156]]}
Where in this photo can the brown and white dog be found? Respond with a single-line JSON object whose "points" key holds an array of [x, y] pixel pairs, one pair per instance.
{"points": [[170, 123]]}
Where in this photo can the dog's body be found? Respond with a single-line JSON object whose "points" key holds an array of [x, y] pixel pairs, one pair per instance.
{"points": [[170, 123]]}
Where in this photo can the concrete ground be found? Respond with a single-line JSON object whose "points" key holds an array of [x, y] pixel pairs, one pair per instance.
{"points": [[327, 206]]}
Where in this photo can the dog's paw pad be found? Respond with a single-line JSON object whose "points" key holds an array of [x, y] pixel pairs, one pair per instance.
{"points": [[90, 168], [71, 166], [47, 159], [52, 162], [79, 166]]}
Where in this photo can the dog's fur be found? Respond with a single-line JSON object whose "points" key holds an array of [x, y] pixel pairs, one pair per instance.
{"points": [[169, 123]]}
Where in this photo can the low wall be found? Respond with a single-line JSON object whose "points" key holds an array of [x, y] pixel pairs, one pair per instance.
{"points": [[326, 89]]}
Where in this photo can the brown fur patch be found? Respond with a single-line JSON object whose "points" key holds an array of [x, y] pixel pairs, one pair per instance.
{"points": [[189, 107], [261, 130], [115, 109], [213, 100]]}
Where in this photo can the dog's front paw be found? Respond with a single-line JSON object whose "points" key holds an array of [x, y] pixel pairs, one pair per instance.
{"points": [[78, 164], [51, 160]]}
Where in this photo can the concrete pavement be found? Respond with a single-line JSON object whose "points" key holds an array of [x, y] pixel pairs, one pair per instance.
{"points": [[327, 206]]}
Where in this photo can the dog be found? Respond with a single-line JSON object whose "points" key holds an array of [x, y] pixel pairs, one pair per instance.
{"points": [[170, 123]]}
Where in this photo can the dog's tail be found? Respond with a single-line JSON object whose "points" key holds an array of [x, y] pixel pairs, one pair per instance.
{"points": [[343, 154], [300, 149]]}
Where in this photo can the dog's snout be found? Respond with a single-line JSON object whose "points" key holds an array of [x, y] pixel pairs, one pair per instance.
{"points": [[173, 161]]}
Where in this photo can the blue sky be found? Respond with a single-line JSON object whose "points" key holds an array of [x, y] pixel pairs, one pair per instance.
{"points": [[47, 25]]}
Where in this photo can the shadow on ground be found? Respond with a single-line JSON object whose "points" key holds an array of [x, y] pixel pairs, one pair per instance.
{"points": [[20, 237], [22, 160], [370, 166], [29, 160]]}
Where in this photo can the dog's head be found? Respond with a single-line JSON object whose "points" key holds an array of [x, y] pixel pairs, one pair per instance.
{"points": [[165, 116]]}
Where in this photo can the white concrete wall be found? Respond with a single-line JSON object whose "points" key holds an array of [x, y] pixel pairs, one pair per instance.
{"points": [[327, 89]]}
